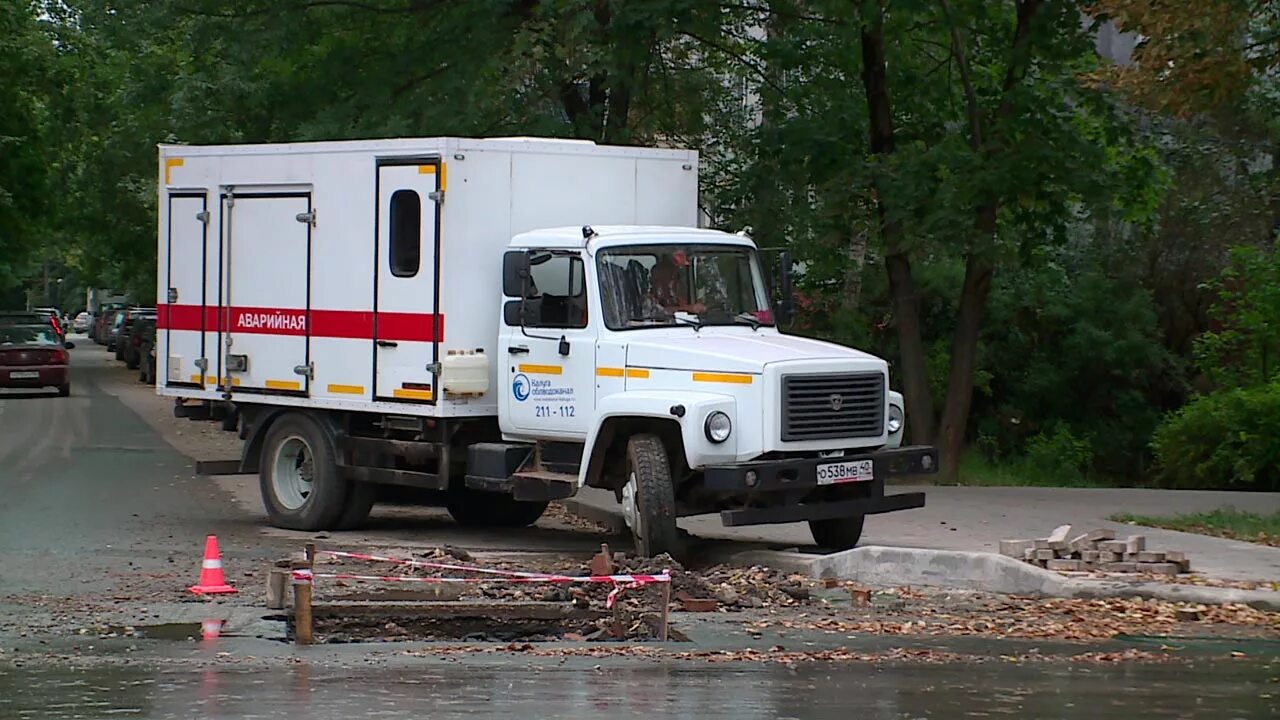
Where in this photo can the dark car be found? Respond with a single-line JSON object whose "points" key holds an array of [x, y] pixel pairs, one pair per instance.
{"points": [[147, 349], [101, 327], [34, 356], [141, 326], [123, 337]]}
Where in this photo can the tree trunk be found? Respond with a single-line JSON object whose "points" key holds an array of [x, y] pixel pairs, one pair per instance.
{"points": [[964, 352], [913, 366], [855, 261]]}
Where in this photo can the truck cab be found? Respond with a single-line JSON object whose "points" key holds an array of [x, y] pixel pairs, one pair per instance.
{"points": [[647, 361]]}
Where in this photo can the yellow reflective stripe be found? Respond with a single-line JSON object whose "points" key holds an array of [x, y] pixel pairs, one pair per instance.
{"points": [[444, 175], [284, 385], [735, 378], [542, 369], [197, 379], [345, 389], [426, 169], [211, 380], [405, 394], [639, 373], [169, 165], [609, 372]]}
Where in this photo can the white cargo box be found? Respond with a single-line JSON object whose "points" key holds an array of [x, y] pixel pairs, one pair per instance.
{"points": [[342, 274]]}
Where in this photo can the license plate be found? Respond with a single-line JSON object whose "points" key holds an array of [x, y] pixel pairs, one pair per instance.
{"points": [[23, 375], [845, 472]]}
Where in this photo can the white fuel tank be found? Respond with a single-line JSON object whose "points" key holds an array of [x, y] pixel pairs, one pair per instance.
{"points": [[465, 372]]}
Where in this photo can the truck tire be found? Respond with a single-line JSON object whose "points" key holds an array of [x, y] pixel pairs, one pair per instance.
{"points": [[298, 476], [131, 360], [839, 533], [359, 504], [476, 508], [649, 498]]}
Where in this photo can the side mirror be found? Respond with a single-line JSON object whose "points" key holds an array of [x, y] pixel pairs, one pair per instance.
{"points": [[515, 271], [786, 291], [69, 345]]}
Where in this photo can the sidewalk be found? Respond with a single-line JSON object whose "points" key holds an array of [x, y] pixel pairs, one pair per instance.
{"points": [[977, 518]]}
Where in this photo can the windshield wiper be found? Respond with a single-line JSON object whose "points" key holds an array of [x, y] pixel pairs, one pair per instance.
{"points": [[748, 318], [687, 319]]}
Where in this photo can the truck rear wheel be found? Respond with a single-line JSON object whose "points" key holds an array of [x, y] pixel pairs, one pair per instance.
{"points": [[649, 498], [839, 533], [475, 508], [299, 479]]}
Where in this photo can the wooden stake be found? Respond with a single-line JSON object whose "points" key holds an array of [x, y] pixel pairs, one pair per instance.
{"points": [[666, 609], [302, 623], [277, 584], [302, 594]]}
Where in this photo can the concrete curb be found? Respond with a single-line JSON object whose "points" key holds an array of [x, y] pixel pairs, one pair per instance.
{"points": [[989, 572]]}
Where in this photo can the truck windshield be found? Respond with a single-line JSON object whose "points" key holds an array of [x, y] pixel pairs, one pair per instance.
{"points": [[654, 285]]}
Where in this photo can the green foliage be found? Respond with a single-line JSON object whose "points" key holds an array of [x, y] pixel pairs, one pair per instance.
{"points": [[24, 59], [1244, 350], [1230, 438]]}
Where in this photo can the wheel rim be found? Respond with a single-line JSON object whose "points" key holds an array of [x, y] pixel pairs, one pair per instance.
{"points": [[293, 472], [630, 507]]}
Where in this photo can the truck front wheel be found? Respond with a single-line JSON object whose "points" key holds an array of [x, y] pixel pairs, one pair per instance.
{"points": [[298, 476], [648, 497], [839, 533]]}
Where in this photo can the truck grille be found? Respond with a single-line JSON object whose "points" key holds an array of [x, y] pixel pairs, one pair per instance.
{"points": [[822, 407]]}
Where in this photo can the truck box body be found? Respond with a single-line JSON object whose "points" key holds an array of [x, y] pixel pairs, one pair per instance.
{"points": [[342, 272]]}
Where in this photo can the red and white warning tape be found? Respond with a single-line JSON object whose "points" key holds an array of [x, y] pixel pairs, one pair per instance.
{"points": [[620, 582]]}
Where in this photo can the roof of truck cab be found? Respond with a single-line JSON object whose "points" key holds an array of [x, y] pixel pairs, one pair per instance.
{"points": [[608, 235]]}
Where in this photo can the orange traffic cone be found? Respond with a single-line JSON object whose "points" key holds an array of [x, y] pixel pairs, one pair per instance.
{"points": [[211, 580]]}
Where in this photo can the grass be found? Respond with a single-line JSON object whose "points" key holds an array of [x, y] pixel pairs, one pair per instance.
{"points": [[976, 469], [1224, 522]]}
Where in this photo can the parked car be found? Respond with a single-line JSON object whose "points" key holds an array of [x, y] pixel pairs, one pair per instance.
{"points": [[81, 323], [139, 327], [124, 325], [102, 322], [34, 356], [147, 350]]}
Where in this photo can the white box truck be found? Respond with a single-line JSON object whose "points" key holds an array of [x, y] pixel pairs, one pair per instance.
{"points": [[499, 323]]}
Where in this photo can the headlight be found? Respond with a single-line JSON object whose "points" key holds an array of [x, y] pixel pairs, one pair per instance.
{"points": [[718, 427], [895, 419]]}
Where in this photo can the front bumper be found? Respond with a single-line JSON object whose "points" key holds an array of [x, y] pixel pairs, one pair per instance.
{"points": [[801, 473]]}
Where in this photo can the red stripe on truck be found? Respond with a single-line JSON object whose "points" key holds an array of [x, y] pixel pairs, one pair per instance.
{"points": [[357, 324]]}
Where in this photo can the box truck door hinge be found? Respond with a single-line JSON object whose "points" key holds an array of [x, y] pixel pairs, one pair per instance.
{"points": [[437, 195], [307, 218], [307, 371], [203, 216], [173, 295], [202, 364]]}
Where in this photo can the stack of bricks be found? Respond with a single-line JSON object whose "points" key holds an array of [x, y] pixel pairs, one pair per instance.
{"points": [[1096, 550]]}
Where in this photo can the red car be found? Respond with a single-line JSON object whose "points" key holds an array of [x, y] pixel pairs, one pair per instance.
{"points": [[34, 356]]}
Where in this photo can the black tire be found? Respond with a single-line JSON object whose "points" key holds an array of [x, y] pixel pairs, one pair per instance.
{"points": [[474, 508], [326, 500], [131, 360], [359, 504], [837, 534], [655, 498], [65, 390], [119, 351], [151, 372]]}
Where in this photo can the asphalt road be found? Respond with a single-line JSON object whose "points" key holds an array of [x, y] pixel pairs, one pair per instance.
{"points": [[96, 506]]}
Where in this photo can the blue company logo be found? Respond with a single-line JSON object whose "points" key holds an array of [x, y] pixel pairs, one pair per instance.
{"points": [[520, 388]]}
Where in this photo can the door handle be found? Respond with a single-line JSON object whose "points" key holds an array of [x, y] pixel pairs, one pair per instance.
{"points": [[518, 350], [388, 343]]}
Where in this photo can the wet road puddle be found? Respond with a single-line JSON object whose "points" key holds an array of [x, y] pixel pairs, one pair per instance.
{"points": [[205, 630]]}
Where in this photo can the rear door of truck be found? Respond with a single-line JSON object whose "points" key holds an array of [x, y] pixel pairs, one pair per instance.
{"points": [[269, 291], [407, 329]]}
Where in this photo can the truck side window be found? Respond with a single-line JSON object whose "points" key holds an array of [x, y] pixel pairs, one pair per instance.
{"points": [[406, 233], [557, 294]]}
